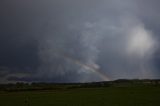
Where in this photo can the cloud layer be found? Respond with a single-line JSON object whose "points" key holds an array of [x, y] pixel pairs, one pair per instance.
{"points": [[79, 40]]}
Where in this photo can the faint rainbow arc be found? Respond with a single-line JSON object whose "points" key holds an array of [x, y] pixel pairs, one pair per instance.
{"points": [[103, 76]]}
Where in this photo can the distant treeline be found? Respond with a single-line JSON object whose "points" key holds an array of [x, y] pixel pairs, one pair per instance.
{"points": [[21, 86]]}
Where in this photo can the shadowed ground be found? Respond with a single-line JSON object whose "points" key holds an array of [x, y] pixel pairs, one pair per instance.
{"points": [[107, 96]]}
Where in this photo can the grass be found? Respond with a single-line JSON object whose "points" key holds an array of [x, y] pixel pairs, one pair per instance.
{"points": [[109, 96]]}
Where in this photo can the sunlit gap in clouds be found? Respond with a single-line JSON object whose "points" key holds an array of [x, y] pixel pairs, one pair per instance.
{"points": [[142, 45]]}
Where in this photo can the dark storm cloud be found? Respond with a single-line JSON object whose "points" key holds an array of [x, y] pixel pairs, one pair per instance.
{"points": [[35, 36]]}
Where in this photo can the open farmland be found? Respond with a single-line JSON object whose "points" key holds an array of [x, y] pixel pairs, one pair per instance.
{"points": [[96, 96]]}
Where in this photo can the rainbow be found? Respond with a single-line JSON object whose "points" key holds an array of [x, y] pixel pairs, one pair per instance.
{"points": [[99, 72]]}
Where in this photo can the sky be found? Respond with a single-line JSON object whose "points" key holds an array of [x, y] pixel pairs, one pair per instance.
{"points": [[79, 40]]}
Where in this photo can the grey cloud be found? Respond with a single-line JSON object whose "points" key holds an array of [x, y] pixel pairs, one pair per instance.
{"points": [[35, 35]]}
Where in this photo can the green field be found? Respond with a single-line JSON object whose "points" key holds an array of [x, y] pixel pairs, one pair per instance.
{"points": [[107, 96]]}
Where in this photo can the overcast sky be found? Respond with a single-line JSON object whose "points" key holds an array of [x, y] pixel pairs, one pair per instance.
{"points": [[79, 40]]}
